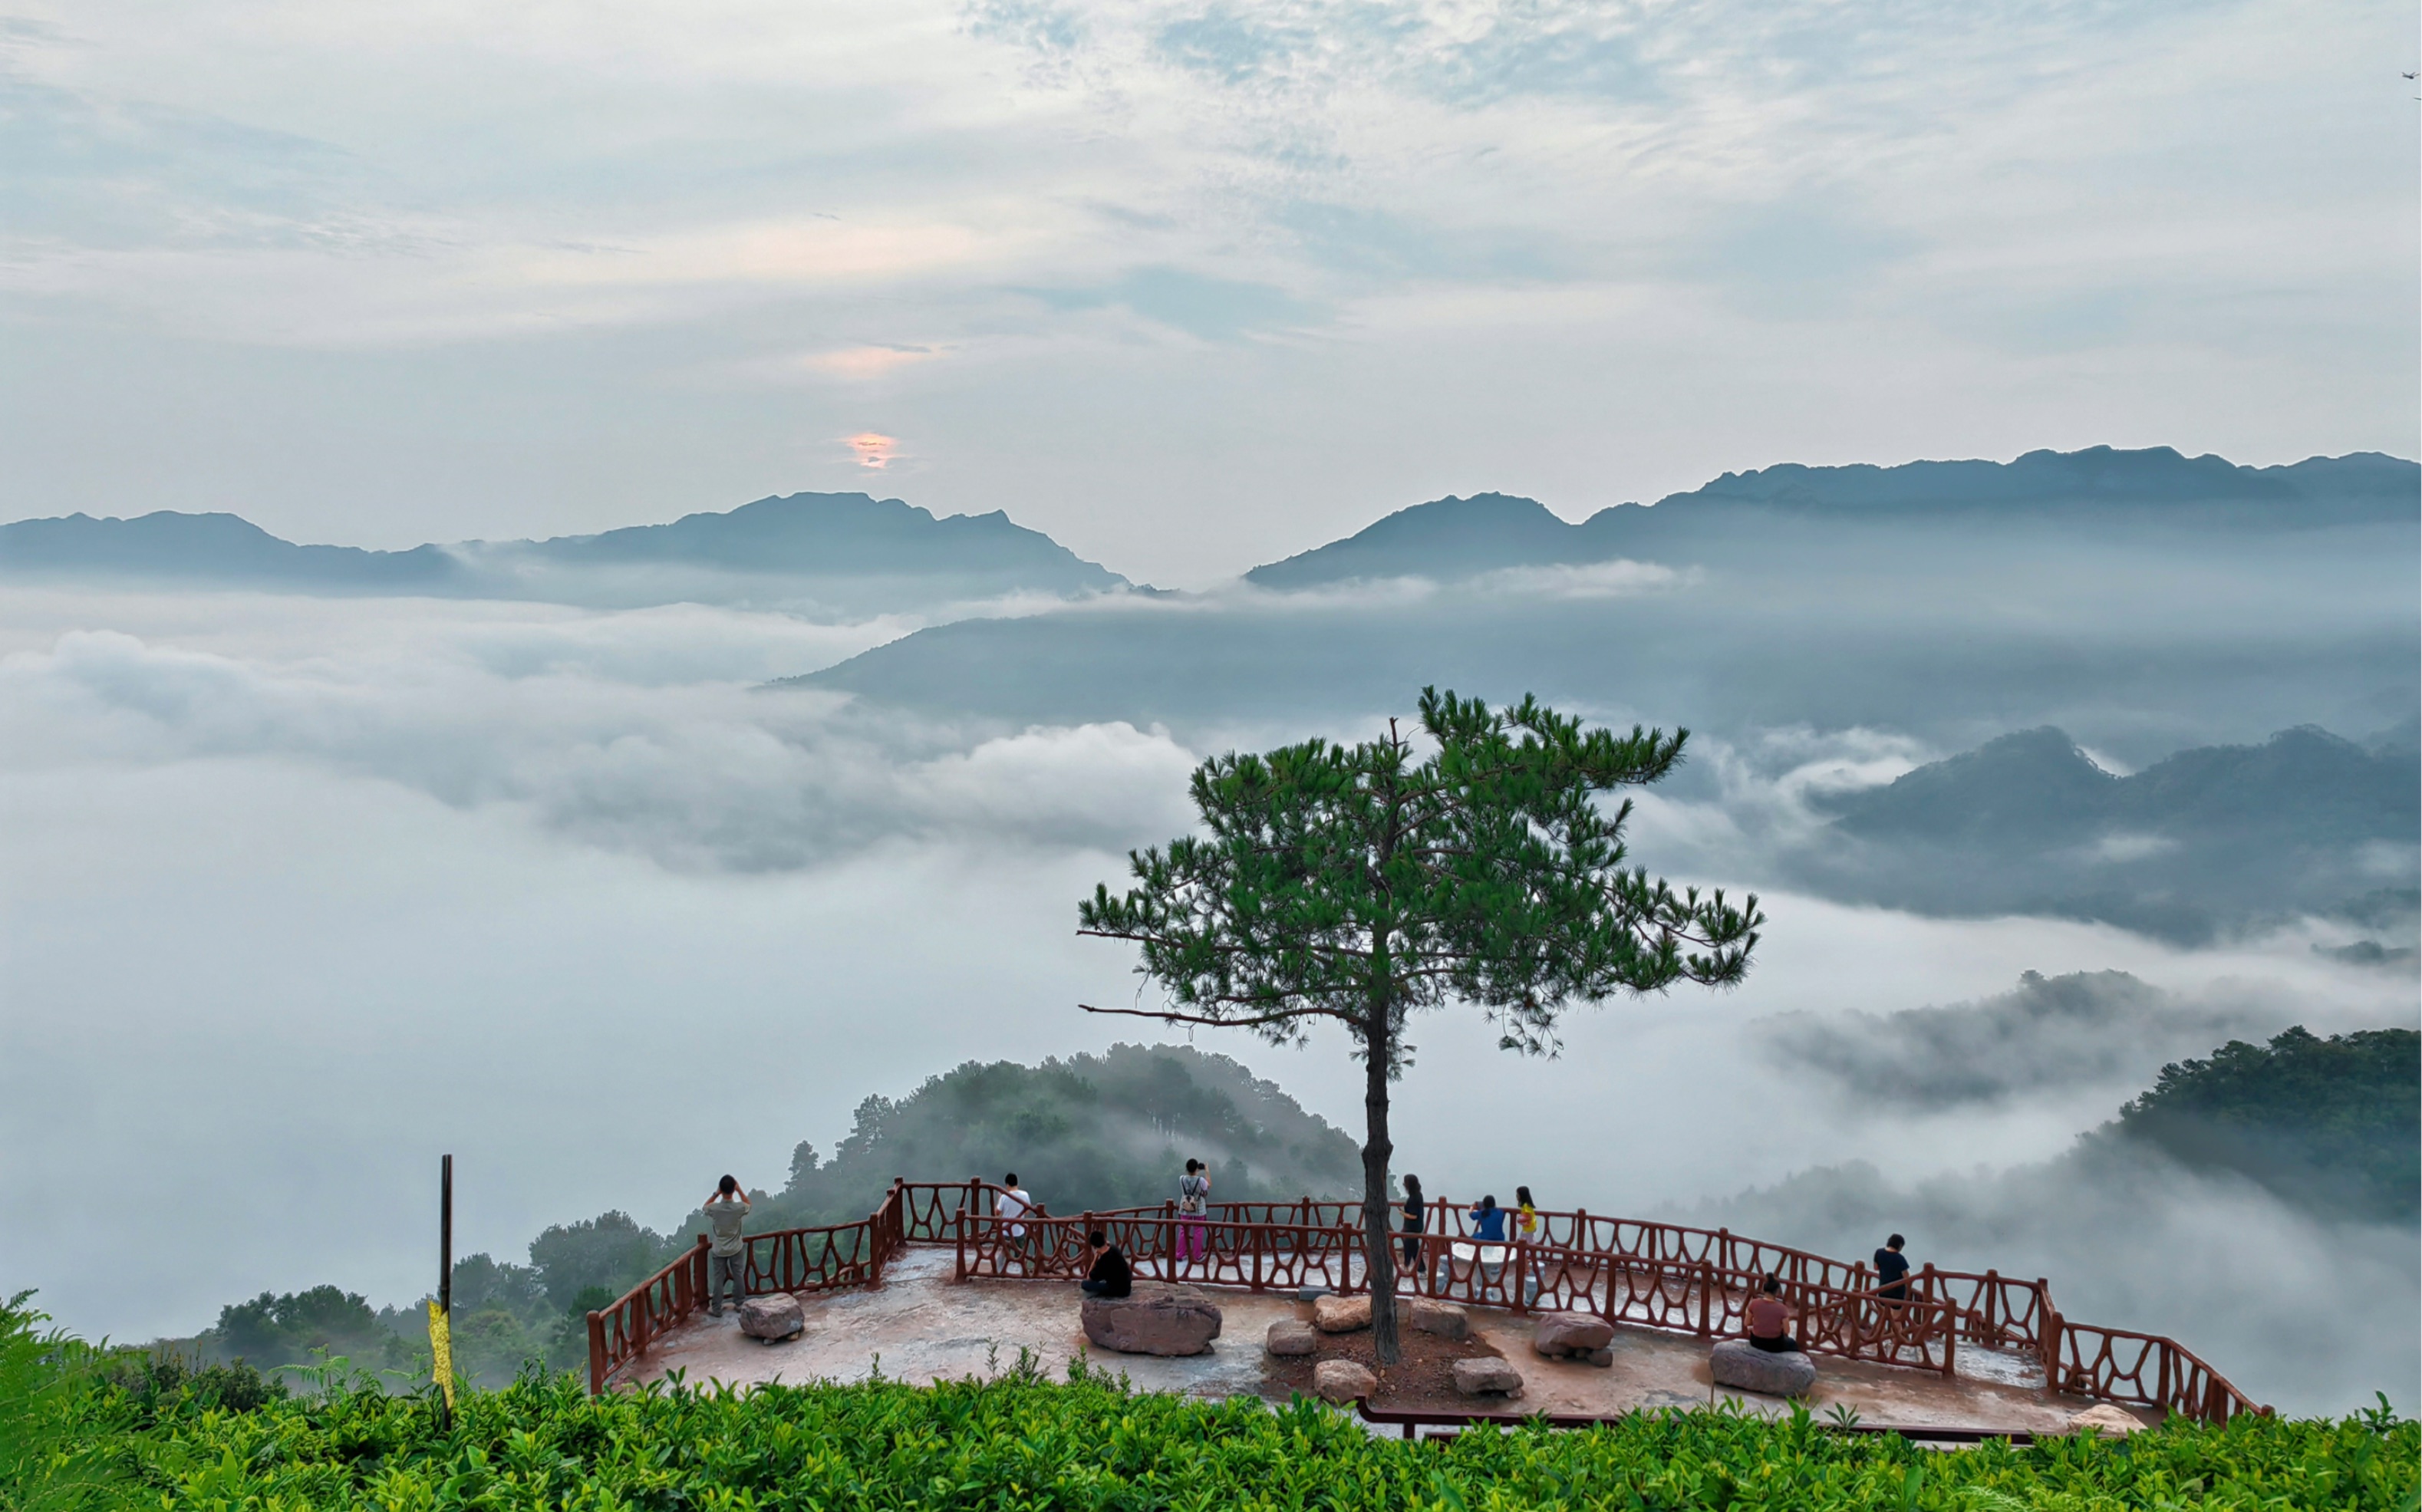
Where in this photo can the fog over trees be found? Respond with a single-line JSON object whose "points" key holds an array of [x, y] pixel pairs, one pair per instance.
{"points": [[312, 879]]}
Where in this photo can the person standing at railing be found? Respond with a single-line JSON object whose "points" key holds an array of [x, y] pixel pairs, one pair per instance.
{"points": [[1193, 1209], [727, 1253], [1013, 1205], [1526, 1228], [1417, 1219], [1891, 1271]]}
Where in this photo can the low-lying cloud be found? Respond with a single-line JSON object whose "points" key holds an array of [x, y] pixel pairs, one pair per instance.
{"points": [[597, 735], [2302, 1314], [2094, 1028], [302, 892]]}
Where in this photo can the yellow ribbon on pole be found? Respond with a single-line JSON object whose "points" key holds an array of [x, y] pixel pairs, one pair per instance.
{"points": [[441, 1351]]}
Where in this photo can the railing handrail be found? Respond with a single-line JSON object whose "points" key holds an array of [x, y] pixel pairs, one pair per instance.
{"points": [[2083, 1359]]}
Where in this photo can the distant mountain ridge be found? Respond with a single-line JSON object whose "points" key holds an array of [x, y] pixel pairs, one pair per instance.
{"points": [[2208, 839], [810, 542], [1455, 538]]}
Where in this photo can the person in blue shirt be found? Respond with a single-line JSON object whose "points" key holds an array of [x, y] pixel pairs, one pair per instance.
{"points": [[1489, 1222]]}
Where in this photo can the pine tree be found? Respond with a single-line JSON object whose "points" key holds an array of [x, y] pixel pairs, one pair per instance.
{"points": [[1358, 883]]}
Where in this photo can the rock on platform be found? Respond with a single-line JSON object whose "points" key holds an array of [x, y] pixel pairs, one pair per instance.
{"points": [[2104, 1418], [1570, 1335], [1444, 1319], [1342, 1381], [1737, 1363], [1341, 1314], [1486, 1377], [1291, 1336], [1155, 1320], [776, 1315]]}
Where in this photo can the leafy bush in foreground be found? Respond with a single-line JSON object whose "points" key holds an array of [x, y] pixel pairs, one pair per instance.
{"points": [[78, 1429]]}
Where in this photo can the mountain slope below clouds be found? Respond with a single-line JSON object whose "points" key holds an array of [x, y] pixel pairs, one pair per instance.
{"points": [[2206, 841], [844, 550]]}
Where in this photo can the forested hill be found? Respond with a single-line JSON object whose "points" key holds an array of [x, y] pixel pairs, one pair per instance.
{"points": [[1108, 1130], [2332, 1125], [1112, 1130]]}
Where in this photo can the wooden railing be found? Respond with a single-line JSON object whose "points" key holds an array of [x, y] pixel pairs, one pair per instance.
{"points": [[1627, 1271], [804, 1260]]}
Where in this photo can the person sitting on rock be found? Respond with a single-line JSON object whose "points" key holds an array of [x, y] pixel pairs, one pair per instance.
{"points": [[1108, 1274], [1769, 1317]]}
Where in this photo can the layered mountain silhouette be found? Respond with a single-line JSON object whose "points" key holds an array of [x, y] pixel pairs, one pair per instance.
{"points": [[843, 548], [1452, 539], [2207, 840]]}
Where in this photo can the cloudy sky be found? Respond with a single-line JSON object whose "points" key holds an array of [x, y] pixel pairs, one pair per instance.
{"points": [[1188, 286]]}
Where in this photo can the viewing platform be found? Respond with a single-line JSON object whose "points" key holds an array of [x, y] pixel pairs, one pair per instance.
{"points": [[935, 1286]]}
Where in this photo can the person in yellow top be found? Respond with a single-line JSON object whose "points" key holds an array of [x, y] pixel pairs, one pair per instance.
{"points": [[1526, 1228]]}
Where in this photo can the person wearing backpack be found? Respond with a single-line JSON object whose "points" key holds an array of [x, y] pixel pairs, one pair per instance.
{"points": [[1193, 1213]]}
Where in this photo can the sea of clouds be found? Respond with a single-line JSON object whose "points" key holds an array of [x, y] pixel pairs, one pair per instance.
{"points": [[301, 893]]}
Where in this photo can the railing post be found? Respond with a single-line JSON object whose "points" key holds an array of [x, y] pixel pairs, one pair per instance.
{"points": [[1992, 1308], [1706, 1297], [596, 1354], [959, 1236]]}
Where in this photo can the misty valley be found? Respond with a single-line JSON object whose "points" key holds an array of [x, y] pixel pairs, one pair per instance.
{"points": [[2079, 794]]}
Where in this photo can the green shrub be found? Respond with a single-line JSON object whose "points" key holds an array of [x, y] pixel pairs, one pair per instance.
{"points": [[77, 1430]]}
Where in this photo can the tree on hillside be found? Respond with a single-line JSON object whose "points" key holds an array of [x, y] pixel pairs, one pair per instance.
{"points": [[1358, 883], [2331, 1125]]}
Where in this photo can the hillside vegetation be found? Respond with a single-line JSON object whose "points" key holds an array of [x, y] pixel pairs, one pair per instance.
{"points": [[1110, 1130], [2334, 1124], [81, 1430]]}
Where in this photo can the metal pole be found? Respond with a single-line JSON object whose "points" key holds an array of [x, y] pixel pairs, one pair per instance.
{"points": [[446, 1273]]}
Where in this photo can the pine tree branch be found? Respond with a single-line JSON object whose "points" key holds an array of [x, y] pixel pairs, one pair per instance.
{"points": [[1167, 1017]]}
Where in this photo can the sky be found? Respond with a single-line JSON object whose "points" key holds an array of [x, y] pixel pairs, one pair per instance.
{"points": [[1189, 287]]}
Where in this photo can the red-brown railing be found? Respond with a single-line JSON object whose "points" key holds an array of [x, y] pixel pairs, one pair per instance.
{"points": [[2141, 1369], [781, 1260], [1656, 1275]]}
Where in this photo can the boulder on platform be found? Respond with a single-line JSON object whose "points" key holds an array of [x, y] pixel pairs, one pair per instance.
{"points": [[1741, 1364], [1291, 1336], [2104, 1418], [1570, 1335], [1155, 1320], [1444, 1319], [776, 1315], [1488, 1378], [1342, 1381], [1341, 1314]]}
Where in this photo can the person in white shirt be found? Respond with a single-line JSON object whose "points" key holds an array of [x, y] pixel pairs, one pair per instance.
{"points": [[727, 1255], [1014, 1203]]}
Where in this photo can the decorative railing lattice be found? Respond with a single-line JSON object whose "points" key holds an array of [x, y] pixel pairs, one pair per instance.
{"points": [[1627, 1271]]}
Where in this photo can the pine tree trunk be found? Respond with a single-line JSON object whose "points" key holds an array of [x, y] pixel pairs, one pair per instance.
{"points": [[1380, 1247]]}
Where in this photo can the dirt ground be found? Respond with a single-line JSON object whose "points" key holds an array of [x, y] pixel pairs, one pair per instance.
{"points": [[1423, 1379]]}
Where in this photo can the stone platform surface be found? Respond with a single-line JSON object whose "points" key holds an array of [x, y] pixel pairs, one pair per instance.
{"points": [[920, 1327]]}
